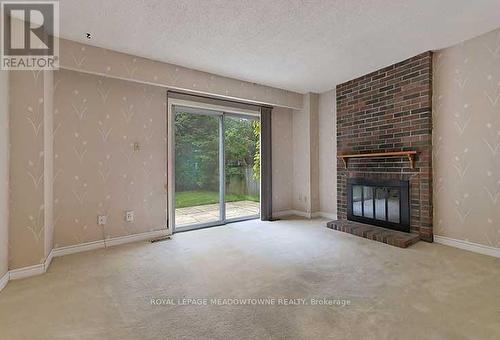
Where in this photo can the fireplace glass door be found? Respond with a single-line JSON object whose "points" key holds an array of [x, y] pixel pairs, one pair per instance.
{"points": [[393, 199], [380, 203], [383, 203]]}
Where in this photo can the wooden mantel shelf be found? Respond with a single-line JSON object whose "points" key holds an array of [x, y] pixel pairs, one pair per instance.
{"points": [[410, 154]]}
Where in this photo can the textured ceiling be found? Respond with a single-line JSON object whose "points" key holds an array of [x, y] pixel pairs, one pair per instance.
{"points": [[292, 44]]}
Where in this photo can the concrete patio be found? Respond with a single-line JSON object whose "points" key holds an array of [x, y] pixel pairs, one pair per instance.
{"points": [[210, 212]]}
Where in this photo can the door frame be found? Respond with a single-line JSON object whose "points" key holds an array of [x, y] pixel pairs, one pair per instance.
{"points": [[210, 109]]}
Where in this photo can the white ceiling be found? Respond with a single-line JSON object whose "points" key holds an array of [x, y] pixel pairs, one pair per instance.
{"points": [[299, 45]]}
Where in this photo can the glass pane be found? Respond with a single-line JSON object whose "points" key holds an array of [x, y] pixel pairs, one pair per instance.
{"points": [[393, 205], [368, 201], [196, 168], [356, 200], [380, 204], [242, 156]]}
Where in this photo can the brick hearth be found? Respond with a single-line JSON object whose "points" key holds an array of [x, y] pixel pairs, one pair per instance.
{"points": [[389, 110], [391, 237]]}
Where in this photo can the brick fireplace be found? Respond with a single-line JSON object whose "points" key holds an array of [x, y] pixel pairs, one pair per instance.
{"points": [[389, 110]]}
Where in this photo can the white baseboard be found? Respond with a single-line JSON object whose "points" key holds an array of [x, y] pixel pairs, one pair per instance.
{"points": [[466, 245], [110, 242], [41, 268], [23, 272], [48, 260], [304, 214], [36, 269], [137, 237], [3, 280], [78, 248]]}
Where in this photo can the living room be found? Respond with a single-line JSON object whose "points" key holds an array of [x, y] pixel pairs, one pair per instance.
{"points": [[250, 169]]}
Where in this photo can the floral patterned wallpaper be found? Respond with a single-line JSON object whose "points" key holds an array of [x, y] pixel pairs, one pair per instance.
{"points": [[466, 140], [109, 157], [95, 60], [26, 136]]}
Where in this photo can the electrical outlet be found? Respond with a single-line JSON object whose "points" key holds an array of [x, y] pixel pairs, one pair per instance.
{"points": [[102, 219], [129, 216]]}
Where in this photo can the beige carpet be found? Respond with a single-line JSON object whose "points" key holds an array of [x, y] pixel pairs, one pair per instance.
{"points": [[427, 291]]}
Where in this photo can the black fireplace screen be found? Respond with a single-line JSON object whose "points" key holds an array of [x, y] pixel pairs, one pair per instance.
{"points": [[379, 202]]}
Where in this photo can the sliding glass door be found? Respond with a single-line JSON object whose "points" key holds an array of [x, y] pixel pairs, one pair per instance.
{"points": [[242, 166], [198, 160], [217, 167]]}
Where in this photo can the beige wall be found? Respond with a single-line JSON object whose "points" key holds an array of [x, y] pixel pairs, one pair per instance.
{"points": [[95, 60], [314, 151], [26, 135], [97, 172], [300, 165], [282, 160], [327, 153], [48, 164], [4, 172], [305, 184], [466, 141]]}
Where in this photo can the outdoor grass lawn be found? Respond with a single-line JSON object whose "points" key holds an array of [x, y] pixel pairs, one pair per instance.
{"points": [[193, 198]]}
